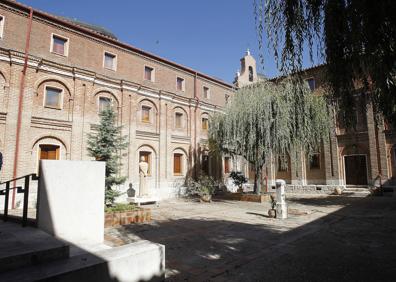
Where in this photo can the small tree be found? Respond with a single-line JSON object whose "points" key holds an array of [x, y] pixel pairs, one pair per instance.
{"points": [[105, 145], [238, 178], [270, 117]]}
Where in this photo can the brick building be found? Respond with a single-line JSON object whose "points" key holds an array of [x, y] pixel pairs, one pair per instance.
{"points": [[360, 156], [51, 101]]}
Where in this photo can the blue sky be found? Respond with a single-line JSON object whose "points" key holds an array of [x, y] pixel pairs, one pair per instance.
{"points": [[209, 36]]}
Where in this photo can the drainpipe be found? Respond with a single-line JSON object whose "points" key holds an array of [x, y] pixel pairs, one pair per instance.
{"points": [[20, 102], [196, 123]]}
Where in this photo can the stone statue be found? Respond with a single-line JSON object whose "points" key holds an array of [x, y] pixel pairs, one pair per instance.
{"points": [[143, 169]]}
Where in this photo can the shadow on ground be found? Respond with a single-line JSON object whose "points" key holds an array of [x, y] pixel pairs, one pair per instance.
{"points": [[355, 243]]}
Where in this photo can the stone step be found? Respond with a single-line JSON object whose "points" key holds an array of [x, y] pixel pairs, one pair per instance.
{"points": [[363, 190], [26, 246], [139, 261]]}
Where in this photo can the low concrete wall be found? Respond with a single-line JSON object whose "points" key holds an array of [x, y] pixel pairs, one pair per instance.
{"points": [[71, 200], [310, 189], [140, 261]]}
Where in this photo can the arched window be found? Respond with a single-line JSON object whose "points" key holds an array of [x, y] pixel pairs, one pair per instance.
{"points": [[251, 74]]}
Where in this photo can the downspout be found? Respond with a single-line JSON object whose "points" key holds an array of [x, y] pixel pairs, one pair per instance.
{"points": [[196, 124], [20, 102]]}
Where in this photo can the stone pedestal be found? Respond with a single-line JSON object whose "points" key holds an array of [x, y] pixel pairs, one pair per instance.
{"points": [[281, 206]]}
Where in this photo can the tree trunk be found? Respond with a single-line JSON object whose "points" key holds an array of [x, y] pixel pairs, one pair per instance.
{"points": [[257, 181]]}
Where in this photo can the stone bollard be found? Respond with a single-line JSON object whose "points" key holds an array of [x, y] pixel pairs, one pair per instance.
{"points": [[281, 206]]}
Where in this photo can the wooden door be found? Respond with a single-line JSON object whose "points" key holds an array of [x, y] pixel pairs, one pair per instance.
{"points": [[177, 164], [49, 152], [355, 170]]}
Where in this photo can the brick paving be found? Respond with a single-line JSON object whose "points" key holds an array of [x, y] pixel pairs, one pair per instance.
{"points": [[236, 241]]}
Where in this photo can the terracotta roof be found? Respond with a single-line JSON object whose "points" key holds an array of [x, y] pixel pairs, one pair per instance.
{"points": [[95, 33]]}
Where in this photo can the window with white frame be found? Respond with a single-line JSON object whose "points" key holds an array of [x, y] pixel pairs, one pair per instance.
{"points": [[206, 92], [311, 83], [105, 103], [149, 73], [205, 123], [180, 84], [146, 114], [110, 61], [53, 97], [59, 45], [178, 120], [2, 19]]}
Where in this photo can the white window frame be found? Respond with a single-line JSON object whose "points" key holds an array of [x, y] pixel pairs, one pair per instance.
{"points": [[111, 101], [45, 97], [152, 73], [309, 78], [181, 120], [115, 60], [66, 53], [149, 111], [2, 23], [203, 91], [183, 84]]}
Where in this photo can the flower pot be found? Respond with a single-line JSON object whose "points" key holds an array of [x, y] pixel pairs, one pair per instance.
{"points": [[206, 198], [272, 213]]}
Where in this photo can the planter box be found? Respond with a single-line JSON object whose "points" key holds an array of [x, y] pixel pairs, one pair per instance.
{"points": [[123, 218], [246, 197]]}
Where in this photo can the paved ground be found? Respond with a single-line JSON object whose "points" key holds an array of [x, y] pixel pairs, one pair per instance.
{"points": [[324, 239]]}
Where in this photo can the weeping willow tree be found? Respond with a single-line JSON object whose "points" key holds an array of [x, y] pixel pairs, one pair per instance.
{"points": [[355, 38], [270, 117]]}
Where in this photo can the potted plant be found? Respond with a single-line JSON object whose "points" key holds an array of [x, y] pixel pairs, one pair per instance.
{"points": [[238, 179], [272, 211]]}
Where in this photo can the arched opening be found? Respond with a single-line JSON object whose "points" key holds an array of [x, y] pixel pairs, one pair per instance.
{"points": [[251, 74]]}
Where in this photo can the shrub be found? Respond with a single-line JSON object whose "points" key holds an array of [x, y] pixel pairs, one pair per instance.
{"points": [[121, 207], [238, 178], [204, 185]]}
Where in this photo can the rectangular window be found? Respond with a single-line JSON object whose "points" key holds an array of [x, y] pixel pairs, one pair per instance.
{"points": [[178, 120], [314, 161], [179, 84], [110, 61], [311, 83], [206, 92], [104, 103], [2, 19], [146, 114], [49, 152], [147, 159], [53, 97], [59, 45], [226, 164], [177, 164], [205, 124], [283, 163], [148, 73]]}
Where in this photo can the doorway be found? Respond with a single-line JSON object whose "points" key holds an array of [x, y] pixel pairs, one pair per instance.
{"points": [[355, 169]]}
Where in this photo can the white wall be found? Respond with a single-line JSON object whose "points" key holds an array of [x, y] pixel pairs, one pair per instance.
{"points": [[71, 200]]}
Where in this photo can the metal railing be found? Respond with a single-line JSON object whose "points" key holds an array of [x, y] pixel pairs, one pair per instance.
{"points": [[19, 190]]}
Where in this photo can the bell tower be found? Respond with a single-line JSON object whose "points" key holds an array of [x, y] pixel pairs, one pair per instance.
{"points": [[248, 73]]}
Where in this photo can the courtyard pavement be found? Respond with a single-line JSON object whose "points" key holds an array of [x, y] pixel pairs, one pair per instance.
{"points": [[325, 238]]}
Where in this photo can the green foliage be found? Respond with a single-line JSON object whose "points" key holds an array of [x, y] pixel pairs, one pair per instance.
{"points": [[121, 208], [356, 39], [270, 117], [204, 185], [105, 144], [238, 178]]}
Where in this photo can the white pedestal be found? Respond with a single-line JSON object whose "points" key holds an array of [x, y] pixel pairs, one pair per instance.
{"points": [[144, 200], [281, 206]]}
